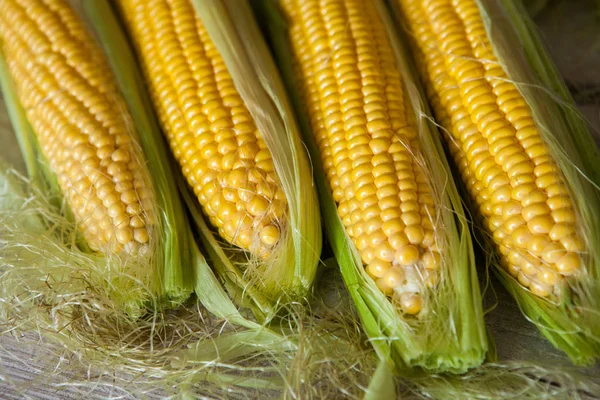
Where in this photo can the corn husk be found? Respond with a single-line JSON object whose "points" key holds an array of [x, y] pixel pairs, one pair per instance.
{"points": [[571, 322], [166, 276], [287, 274], [572, 325], [452, 336]]}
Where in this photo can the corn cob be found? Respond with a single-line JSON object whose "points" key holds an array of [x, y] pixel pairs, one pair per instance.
{"points": [[497, 146], [368, 143], [389, 208], [527, 161], [108, 214], [72, 102], [228, 123], [208, 126]]}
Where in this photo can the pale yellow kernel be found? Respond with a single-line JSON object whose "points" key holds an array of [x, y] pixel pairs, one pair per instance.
{"points": [[385, 252], [129, 196], [123, 176], [394, 277], [409, 206], [257, 206], [389, 214], [523, 279], [124, 235], [368, 255], [411, 303], [511, 208], [213, 205], [377, 268], [407, 255], [249, 151], [530, 266], [278, 208], [572, 243], [514, 270], [385, 289], [560, 231], [110, 199], [121, 155], [392, 226], [266, 166], [141, 235], [269, 235], [415, 234], [548, 277], [398, 240], [534, 210], [373, 224], [247, 194], [563, 215], [411, 218], [539, 288], [502, 194], [568, 264], [545, 181], [558, 202], [431, 260], [556, 190], [116, 209], [553, 252], [230, 194], [376, 238], [237, 178], [513, 223], [379, 145], [538, 243], [134, 208], [244, 238], [540, 224], [521, 236], [522, 191], [363, 241], [429, 238]]}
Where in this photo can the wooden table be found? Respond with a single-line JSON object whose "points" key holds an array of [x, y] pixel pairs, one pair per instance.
{"points": [[575, 44]]}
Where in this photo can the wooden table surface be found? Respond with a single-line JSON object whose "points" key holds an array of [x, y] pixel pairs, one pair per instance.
{"points": [[575, 44]]}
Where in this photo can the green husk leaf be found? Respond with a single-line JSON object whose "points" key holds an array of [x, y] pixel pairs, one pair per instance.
{"points": [[571, 324], [175, 246], [382, 385], [452, 338], [288, 274]]}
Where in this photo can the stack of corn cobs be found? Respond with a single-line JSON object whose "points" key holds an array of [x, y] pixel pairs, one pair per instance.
{"points": [[168, 129]]}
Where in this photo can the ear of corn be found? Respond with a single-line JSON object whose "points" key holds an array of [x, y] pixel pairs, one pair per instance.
{"points": [[79, 141], [226, 121], [393, 216], [525, 157]]}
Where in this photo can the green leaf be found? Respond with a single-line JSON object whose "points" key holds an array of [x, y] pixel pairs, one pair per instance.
{"points": [[382, 385]]}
